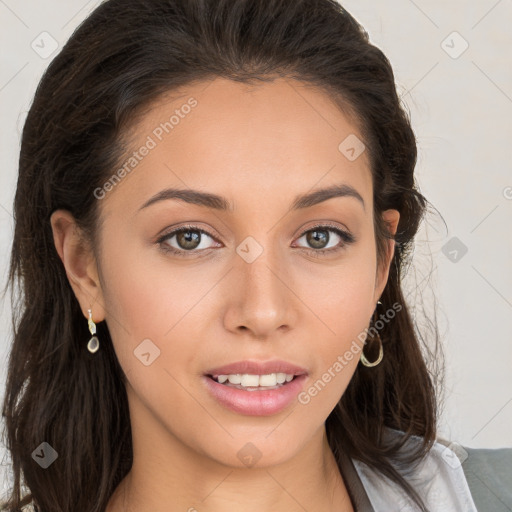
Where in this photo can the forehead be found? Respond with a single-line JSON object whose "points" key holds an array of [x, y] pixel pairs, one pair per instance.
{"points": [[273, 138]]}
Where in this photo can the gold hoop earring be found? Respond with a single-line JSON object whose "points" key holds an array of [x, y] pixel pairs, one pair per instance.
{"points": [[94, 343], [381, 349]]}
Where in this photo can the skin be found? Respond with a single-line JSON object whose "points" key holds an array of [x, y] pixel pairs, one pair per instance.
{"points": [[259, 147]]}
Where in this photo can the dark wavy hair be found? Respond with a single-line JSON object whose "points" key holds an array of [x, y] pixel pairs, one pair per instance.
{"points": [[120, 60]]}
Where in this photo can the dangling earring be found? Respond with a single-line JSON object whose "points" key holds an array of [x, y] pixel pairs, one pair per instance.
{"points": [[94, 343], [381, 350]]}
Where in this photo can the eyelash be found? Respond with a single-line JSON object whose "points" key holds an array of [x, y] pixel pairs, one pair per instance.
{"points": [[347, 238]]}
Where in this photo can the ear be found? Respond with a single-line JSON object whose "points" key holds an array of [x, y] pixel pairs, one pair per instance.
{"points": [[391, 218], [79, 262]]}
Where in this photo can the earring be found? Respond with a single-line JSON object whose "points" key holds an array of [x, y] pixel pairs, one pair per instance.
{"points": [[381, 350], [94, 343]]}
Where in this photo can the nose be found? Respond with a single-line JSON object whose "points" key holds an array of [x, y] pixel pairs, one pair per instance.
{"points": [[260, 297]]}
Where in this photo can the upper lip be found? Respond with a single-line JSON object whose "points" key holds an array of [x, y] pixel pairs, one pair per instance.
{"points": [[257, 368]]}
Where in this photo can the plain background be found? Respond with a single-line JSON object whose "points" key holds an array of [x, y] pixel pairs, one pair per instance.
{"points": [[453, 72]]}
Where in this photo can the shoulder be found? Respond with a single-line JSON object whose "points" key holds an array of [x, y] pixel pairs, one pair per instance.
{"points": [[438, 478], [488, 473]]}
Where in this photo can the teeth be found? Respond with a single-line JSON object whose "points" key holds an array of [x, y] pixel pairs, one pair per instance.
{"points": [[235, 379], [248, 380], [266, 380]]}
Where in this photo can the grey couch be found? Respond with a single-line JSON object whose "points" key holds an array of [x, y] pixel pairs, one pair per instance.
{"points": [[489, 476]]}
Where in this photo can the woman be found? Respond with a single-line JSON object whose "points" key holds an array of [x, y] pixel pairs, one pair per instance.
{"points": [[215, 206]]}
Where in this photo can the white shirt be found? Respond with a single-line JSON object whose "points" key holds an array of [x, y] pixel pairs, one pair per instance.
{"points": [[439, 479]]}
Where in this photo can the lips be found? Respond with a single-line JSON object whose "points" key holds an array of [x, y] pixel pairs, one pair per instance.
{"points": [[255, 401]]}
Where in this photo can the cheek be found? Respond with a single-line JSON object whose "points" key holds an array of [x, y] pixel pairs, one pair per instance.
{"points": [[138, 300], [158, 306], [150, 310], [144, 294], [341, 295], [341, 305]]}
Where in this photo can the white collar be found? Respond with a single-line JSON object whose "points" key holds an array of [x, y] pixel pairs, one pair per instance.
{"points": [[438, 478]]}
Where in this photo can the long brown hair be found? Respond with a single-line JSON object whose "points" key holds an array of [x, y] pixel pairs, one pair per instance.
{"points": [[124, 56]]}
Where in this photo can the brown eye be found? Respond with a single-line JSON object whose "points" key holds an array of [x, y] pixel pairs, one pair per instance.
{"points": [[188, 239], [317, 238], [185, 240]]}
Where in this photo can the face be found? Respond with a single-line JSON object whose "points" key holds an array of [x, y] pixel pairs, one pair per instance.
{"points": [[264, 279]]}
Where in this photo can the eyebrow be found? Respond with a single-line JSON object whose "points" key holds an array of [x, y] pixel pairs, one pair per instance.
{"points": [[220, 203]]}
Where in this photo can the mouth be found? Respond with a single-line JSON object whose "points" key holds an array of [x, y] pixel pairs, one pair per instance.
{"points": [[261, 393]]}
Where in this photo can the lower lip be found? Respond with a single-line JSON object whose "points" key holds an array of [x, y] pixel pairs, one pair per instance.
{"points": [[256, 403]]}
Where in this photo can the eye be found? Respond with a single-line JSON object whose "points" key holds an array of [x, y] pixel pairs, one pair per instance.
{"points": [[185, 239], [319, 238], [189, 240]]}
